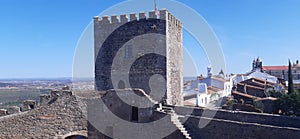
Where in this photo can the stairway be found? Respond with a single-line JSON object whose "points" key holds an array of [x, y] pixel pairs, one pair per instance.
{"points": [[175, 121], [174, 117], [150, 98]]}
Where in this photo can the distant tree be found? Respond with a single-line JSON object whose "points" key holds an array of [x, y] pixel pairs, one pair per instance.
{"points": [[283, 104], [289, 104], [275, 94], [290, 80], [258, 104]]}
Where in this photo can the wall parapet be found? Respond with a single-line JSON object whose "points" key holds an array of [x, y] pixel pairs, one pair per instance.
{"points": [[123, 18], [249, 117]]}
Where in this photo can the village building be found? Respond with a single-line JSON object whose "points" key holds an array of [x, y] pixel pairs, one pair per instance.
{"points": [[205, 90], [256, 72], [255, 87], [282, 71]]}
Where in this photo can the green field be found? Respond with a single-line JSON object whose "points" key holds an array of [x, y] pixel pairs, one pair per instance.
{"points": [[16, 97]]}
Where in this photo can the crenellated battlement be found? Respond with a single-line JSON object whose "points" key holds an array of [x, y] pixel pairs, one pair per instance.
{"points": [[174, 20], [124, 18]]}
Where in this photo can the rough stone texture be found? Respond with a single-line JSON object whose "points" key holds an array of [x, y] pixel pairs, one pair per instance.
{"points": [[44, 98], [121, 103], [174, 60], [63, 115], [248, 117], [109, 116], [107, 128], [244, 125], [132, 54], [28, 105], [13, 110], [3, 112], [220, 128]]}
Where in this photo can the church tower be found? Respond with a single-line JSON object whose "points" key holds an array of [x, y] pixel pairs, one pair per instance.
{"points": [[257, 65]]}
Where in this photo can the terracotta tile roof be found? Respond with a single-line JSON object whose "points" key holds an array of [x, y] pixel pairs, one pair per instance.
{"points": [[187, 103], [245, 95], [214, 88], [275, 67], [259, 82], [251, 86], [211, 89], [262, 82], [219, 78]]}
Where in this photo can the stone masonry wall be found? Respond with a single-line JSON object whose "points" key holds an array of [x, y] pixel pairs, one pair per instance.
{"points": [[220, 128], [174, 60], [248, 117], [140, 52], [229, 124], [62, 115]]}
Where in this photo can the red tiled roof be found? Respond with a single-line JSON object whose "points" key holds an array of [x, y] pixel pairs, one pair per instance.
{"points": [[245, 95], [220, 79], [275, 67], [187, 103], [211, 89]]}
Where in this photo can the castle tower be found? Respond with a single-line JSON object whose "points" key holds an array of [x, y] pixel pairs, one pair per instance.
{"points": [[140, 52]]}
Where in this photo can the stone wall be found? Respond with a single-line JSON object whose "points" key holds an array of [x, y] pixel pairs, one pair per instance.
{"points": [[106, 129], [116, 49], [247, 117], [3, 112], [174, 60], [220, 128], [63, 114], [243, 125], [140, 52]]}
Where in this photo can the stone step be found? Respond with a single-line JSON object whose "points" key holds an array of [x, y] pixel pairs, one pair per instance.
{"points": [[175, 117], [179, 126], [177, 122], [182, 129], [186, 135]]}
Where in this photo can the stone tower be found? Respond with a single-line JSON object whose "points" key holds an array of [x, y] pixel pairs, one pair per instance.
{"points": [[140, 52]]}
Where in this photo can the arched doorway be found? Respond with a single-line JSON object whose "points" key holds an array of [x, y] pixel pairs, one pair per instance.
{"points": [[76, 137]]}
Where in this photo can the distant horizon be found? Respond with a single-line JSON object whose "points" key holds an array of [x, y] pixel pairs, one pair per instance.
{"points": [[70, 77], [50, 78]]}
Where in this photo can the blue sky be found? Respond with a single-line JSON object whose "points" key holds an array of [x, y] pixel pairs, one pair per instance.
{"points": [[39, 37]]}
